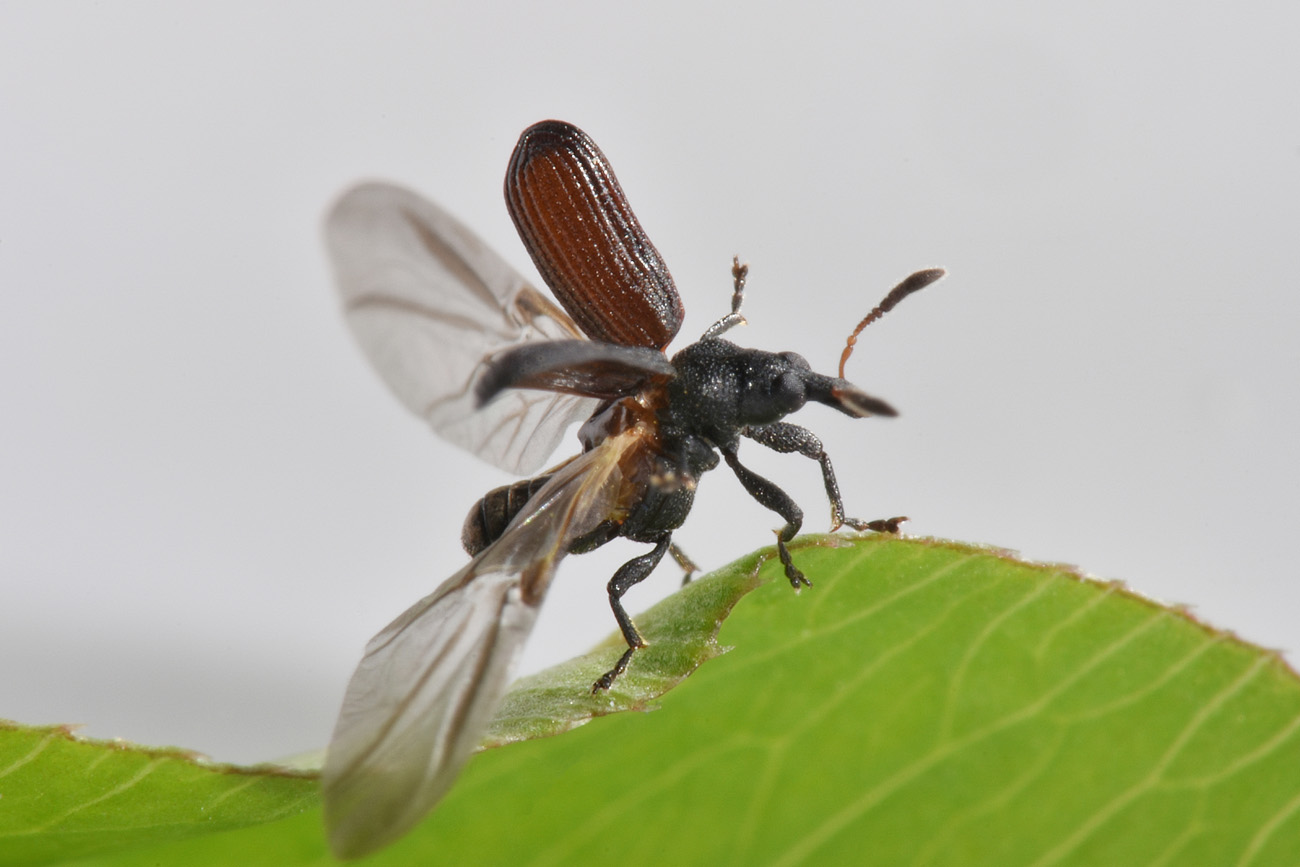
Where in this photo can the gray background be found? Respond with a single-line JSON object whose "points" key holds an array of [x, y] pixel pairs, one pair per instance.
{"points": [[208, 502]]}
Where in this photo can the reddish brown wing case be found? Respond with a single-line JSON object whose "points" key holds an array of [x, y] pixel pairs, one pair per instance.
{"points": [[586, 242]]}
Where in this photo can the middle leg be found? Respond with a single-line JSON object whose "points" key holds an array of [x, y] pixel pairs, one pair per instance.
{"points": [[767, 493]]}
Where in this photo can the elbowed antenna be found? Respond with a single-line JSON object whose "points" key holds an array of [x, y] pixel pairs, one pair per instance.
{"points": [[913, 283]]}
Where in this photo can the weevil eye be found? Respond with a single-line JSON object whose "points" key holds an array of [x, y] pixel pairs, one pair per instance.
{"points": [[791, 387], [790, 391], [777, 388]]}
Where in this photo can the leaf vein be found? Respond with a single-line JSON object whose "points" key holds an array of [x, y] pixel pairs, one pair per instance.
{"points": [[1077, 613], [233, 790], [1245, 760], [851, 619], [35, 751], [994, 801], [1266, 831], [1194, 827], [832, 824], [963, 667], [1137, 695], [1152, 778], [111, 793], [561, 848], [849, 687]]}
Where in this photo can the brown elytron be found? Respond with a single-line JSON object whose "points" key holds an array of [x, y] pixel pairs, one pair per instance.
{"points": [[586, 242]]}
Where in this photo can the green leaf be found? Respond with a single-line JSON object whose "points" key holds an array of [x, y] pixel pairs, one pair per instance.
{"points": [[61, 796], [682, 634], [922, 703]]}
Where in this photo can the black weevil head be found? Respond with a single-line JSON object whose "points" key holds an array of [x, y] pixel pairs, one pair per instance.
{"points": [[721, 388], [772, 386], [783, 382]]}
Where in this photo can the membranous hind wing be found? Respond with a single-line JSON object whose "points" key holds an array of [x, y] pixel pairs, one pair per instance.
{"points": [[428, 301], [430, 681], [587, 244]]}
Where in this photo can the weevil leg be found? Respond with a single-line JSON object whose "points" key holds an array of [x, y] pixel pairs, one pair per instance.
{"points": [[786, 438], [630, 574], [738, 274], [688, 565], [769, 495]]}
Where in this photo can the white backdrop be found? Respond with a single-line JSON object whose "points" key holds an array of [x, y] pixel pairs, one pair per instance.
{"points": [[208, 503]]}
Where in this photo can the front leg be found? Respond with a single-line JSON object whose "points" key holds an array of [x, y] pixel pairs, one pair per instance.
{"points": [[778, 501], [786, 438]]}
